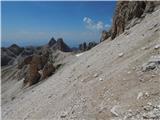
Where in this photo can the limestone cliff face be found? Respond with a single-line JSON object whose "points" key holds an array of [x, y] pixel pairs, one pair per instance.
{"points": [[126, 11]]}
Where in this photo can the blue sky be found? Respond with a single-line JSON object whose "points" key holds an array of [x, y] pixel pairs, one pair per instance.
{"points": [[34, 23]]}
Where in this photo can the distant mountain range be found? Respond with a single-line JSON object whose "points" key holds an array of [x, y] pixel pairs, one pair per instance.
{"points": [[8, 55]]}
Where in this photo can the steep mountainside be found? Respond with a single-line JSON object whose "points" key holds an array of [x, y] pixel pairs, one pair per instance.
{"points": [[115, 80], [127, 14], [129, 10]]}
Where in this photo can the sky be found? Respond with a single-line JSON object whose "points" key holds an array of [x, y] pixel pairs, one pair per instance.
{"points": [[34, 23]]}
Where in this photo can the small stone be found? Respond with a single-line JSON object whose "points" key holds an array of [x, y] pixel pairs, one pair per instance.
{"points": [[156, 46], [153, 76], [158, 106], [141, 79], [73, 112], [140, 95], [146, 94], [129, 72], [13, 98], [64, 114], [149, 103], [100, 79], [134, 68], [95, 75], [130, 110], [88, 66], [82, 80], [121, 54], [148, 108], [101, 110], [83, 99], [49, 96]]}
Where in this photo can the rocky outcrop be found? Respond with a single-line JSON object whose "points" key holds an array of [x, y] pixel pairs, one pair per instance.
{"points": [[91, 45], [28, 51], [84, 46], [153, 63], [36, 60], [27, 60], [33, 63], [33, 75], [22, 72], [15, 49], [48, 70], [105, 35], [8, 55], [5, 60], [128, 10], [31, 66]]}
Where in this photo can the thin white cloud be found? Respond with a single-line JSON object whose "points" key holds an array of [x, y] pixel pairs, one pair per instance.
{"points": [[92, 25], [107, 25]]}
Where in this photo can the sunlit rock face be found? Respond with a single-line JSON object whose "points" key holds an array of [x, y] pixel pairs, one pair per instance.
{"points": [[126, 11]]}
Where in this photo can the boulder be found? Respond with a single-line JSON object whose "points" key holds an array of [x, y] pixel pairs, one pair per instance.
{"points": [[37, 61], [32, 75], [48, 70], [153, 63]]}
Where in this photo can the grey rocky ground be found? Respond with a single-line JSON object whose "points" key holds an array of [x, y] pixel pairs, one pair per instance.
{"points": [[116, 80]]}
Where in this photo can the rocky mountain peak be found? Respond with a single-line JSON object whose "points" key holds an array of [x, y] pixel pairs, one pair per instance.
{"points": [[52, 42], [61, 45], [15, 49]]}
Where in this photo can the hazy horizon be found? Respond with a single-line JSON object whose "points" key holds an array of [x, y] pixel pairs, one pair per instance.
{"points": [[34, 23]]}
